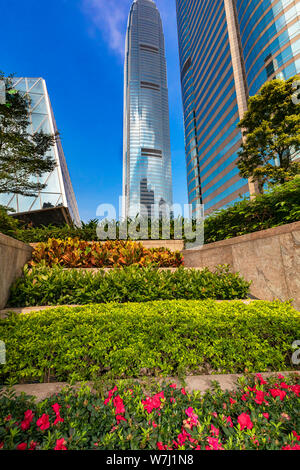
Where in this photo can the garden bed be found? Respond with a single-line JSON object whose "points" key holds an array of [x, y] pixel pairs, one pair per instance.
{"points": [[154, 338], [260, 414], [57, 286]]}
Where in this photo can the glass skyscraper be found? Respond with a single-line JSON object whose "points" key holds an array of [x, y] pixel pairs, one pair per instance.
{"points": [[147, 180], [58, 191], [228, 49]]}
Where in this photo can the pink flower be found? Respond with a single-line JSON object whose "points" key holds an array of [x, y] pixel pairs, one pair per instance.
{"points": [[213, 444], [215, 414], [229, 420], [60, 444], [183, 437], [173, 385], [154, 424], [172, 400], [214, 430], [266, 415], [43, 422], [244, 421], [22, 446], [183, 391]]}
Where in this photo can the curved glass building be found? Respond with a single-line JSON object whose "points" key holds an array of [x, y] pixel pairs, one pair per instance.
{"points": [[228, 49], [270, 38], [58, 191], [147, 180]]}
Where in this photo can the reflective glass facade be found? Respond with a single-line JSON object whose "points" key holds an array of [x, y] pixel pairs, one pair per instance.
{"points": [[58, 190], [270, 37], [228, 49], [146, 154]]}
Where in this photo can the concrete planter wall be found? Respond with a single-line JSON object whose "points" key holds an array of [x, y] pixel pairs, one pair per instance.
{"points": [[13, 255], [270, 259]]}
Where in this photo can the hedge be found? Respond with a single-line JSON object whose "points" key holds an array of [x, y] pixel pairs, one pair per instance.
{"points": [[153, 338], [278, 206], [260, 414], [56, 286]]}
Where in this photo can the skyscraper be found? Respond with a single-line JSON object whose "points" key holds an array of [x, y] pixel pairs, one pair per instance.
{"points": [[228, 49], [58, 192], [147, 180]]}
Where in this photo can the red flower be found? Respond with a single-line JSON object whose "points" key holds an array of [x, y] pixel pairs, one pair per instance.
{"points": [[56, 408], [153, 403], [297, 436], [25, 424], [110, 394], [1, 445], [244, 421], [296, 447], [172, 400], [60, 444], [277, 393], [183, 391], [266, 415], [232, 401], [22, 446], [32, 445], [260, 397], [173, 386], [160, 446], [154, 424], [43, 422], [120, 418], [262, 381], [8, 418], [119, 405]]}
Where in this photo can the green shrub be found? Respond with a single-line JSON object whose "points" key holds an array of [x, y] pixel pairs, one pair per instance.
{"points": [[8, 225], [179, 420], [166, 337], [56, 286], [277, 207]]}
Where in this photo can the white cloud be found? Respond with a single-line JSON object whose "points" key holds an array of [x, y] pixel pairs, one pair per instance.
{"points": [[110, 18]]}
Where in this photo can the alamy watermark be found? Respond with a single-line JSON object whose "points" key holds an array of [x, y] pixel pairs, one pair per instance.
{"points": [[296, 354], [296, 95], [153, 222], [2, 92], [2, 353]]}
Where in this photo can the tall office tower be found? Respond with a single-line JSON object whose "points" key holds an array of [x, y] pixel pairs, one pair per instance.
{"points": [[147, 180], [228, 49], [58, 193]]}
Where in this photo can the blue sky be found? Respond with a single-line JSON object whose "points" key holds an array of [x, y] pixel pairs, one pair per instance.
{"points": [[77, 46]]}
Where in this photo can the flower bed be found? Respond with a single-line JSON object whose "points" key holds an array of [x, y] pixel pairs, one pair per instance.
{"points": [[56, 286], [258, 415], [75, 253], [152, 338]]}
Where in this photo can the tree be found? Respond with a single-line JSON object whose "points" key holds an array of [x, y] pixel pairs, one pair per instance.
{"points": [[22, 155], [271, 130]]}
